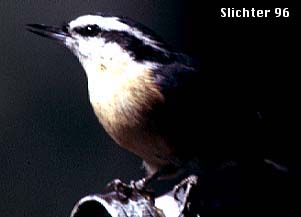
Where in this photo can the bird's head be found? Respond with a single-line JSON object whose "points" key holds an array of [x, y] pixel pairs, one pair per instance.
{"points": [[96, 39], [120, 57]]}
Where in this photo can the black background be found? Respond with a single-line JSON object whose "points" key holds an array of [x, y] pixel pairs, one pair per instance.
{"points": [[52, 150]]}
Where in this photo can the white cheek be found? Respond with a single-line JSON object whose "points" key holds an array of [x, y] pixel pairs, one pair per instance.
{"points": [[70, 43], [90, 47], [113, 52]]}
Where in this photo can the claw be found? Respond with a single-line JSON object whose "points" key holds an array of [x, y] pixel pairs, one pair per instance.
{"points": [[139, 185], [123, 190], [186, 184]]}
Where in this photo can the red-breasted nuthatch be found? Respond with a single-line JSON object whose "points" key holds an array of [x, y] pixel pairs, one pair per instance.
{"points": [[149, 98]]}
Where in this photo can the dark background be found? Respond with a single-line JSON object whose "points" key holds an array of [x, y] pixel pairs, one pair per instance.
{"points": [[52, 150]]}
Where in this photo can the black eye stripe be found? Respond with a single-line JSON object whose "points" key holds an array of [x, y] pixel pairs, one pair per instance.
{"points": [[88, 31], [136, 47]]}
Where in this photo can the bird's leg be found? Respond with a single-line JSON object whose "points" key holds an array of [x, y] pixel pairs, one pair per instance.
{"points": [[186, 184], [125, 191], [141, 184]]}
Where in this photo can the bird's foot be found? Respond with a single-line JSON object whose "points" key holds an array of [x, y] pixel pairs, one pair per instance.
{"points": [[141, 186], [125, 191], [138, 185], [187, 185]]}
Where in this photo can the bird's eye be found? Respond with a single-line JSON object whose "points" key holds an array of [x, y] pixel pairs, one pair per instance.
{"points": [[88, 31]]}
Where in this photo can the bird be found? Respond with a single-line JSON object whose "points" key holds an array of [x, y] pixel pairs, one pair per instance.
{"points": [[151, 99]]}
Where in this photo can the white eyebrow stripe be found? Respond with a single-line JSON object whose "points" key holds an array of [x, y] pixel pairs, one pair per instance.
{"points": [[113, 23]]}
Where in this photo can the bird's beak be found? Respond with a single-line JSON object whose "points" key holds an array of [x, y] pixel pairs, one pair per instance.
{"points": [[56, 33]]}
